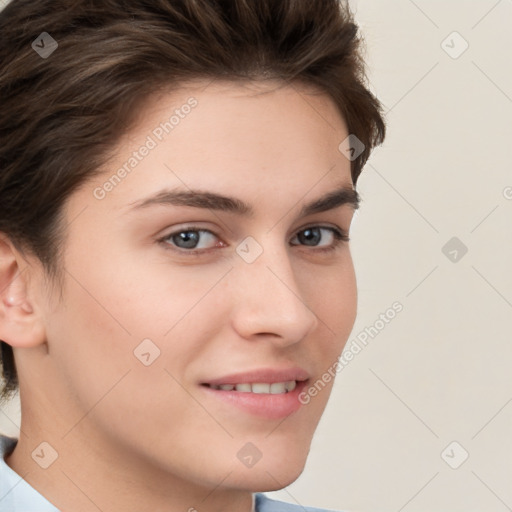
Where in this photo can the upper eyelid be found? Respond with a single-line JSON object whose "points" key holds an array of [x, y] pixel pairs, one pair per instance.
{"points": [[194, 227]]}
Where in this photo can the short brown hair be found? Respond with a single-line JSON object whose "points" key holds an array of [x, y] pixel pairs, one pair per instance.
{"points": [[62, 114]]}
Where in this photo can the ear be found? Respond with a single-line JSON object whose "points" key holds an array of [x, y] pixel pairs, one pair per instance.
{"points": [[20, 322]]}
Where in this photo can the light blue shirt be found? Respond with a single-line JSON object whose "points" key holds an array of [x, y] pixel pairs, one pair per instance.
{"points": [[16, 495]]}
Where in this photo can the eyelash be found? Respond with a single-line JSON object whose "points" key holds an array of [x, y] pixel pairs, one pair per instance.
{"points": [[340, 236]]}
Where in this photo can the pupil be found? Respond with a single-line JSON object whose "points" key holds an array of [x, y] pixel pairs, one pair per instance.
{"points": [[310, 235], [190, 238]]}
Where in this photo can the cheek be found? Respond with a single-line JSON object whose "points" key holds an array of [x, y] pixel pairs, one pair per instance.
{"points": [[112, 304], [90, 342], [332, 295], [342, 299], [103, 381]]}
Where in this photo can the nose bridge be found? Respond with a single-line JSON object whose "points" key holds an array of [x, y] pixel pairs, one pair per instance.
{"points": [[269, 299]]}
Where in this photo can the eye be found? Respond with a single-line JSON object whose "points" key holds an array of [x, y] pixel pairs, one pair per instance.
{"points": [[312, 237], [191, 239], [194, 240]]}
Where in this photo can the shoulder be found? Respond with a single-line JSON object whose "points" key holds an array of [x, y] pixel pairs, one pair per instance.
{"points": [[266, 504]]}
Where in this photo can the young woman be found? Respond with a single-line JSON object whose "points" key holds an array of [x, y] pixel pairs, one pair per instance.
{"points": [[177, 183]]}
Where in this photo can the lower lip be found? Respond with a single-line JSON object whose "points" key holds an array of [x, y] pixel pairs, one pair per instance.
{"points": [[264, 405]]}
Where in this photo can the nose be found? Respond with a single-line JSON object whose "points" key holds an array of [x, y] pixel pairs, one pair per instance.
{"points": [[268, 301]]}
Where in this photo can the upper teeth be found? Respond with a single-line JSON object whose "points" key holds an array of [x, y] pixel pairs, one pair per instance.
{"points": [[260, 387]]}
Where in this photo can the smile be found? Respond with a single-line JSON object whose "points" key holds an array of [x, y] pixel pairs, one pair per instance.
{"points": [[274, 388]]}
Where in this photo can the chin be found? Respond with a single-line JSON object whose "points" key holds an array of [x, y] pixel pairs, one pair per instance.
{"points": [[275, 473]]}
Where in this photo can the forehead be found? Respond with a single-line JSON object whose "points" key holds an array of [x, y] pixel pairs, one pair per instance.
{"points": [[270, 112], [249, 139]]}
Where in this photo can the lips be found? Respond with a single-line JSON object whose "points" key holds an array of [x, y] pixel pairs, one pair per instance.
{"points": [[269, 392]]}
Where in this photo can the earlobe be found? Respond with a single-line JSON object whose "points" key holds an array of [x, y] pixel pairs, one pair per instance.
{"points": [[20, 325]]}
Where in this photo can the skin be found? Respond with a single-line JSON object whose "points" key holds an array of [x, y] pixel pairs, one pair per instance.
{"points": [[131, 437]]}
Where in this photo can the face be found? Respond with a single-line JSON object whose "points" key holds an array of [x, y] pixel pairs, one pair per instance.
{"points": [[169, 294]]}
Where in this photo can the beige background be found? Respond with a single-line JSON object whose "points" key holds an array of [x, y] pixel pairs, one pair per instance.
{"points": [[439, 372]]}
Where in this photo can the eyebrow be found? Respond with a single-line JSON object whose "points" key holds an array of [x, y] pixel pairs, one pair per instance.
{"points": [[344, 195]]}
